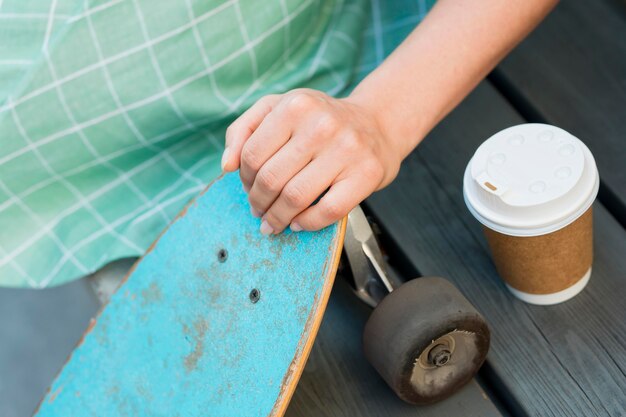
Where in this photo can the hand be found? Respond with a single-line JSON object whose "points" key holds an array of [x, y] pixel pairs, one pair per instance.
{"points": [[291, 148]]}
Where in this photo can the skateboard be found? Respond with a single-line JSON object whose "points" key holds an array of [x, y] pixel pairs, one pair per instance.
{"points": [[218, 320], [214, 320]]}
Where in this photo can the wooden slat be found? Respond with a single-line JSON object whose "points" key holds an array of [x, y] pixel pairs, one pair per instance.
{"points": [[568, 359], [338, 381], [571, 72]]}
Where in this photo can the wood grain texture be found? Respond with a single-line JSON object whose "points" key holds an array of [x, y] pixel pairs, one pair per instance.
{"points": [[572, 72], [563, 360], [339, 382]]}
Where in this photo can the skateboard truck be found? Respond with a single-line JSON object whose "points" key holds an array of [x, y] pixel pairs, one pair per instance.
{"points": [[372, 279], [423, 337]]}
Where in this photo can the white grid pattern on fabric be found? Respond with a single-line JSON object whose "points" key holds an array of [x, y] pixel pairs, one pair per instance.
{"points": [[81, 198], [110, 185], [31, 282], [15, 61], [38, 186], [205, 59], [11, 257], [187, 182], [287, 35], [246, 39], [152, 141], [51, 17], [98, 159], [109, 60], [29, 16], [109, 83], [99, 192], [320, 52], [93, 10], [157, 68], [186, 194], [378, 35], [124, 109]]}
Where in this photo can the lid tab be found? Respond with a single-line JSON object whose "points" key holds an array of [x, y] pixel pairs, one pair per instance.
{"points": [[491, 185]]}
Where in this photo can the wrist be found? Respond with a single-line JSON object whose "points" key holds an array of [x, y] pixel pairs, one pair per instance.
{"points": [[401, 126]]}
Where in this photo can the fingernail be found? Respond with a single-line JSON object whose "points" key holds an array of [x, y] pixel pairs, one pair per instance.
{"points": [[266, 229], [295, 227], [246, 188], [255, 212], [225, 157]]}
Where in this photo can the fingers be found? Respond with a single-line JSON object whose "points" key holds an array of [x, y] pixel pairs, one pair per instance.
{"points": [[299, 193], [276, 173], [342, 197], [291, 148], [294, 109], [273, 132], [241, 129]]}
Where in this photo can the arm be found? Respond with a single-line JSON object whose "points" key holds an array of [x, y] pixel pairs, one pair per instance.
{"points": [[290, 148]]}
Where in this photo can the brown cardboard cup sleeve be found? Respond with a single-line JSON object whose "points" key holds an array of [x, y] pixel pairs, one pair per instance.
{"points": [[532, 187]]}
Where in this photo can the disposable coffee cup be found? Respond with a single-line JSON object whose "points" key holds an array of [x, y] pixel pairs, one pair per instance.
{"points": [[532, 187]]}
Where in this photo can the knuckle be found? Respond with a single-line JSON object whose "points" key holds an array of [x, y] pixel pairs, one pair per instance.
{"points": [[267, 98], [373, 169], [333, 211], [254, 201], [327, 125], [294, 195], [249, 158], [267, 180], [351, 142], [274, 220], [300, 102], [267, 101], [302, 146]]}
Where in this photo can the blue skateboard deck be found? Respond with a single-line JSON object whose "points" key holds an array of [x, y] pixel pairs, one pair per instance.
{"points": [[214, 320]]}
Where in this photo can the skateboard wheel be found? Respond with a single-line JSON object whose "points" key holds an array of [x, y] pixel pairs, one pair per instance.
{"points": [[426, 340]]}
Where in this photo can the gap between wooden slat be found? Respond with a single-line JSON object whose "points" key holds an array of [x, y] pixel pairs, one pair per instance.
{"points": [[531, 114]]}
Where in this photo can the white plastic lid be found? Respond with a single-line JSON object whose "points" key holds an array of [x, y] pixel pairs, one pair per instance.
{"points": [[530, 179]]}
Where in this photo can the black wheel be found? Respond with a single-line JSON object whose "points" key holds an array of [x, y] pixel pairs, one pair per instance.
{"points": [[426, 340]]}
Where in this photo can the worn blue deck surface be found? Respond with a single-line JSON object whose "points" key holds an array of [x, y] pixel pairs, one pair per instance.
{"points": [[182, 338]]}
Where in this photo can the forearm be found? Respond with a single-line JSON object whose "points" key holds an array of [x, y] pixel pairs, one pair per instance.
{"points": [[441, 61], [292, 148]]}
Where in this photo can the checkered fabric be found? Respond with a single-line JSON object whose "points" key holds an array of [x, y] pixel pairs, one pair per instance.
{"points": [[113, 112]]}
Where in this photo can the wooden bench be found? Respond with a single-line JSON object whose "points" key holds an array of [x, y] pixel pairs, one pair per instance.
{"points": [[561, 360], [571, 72], [568, 359]]}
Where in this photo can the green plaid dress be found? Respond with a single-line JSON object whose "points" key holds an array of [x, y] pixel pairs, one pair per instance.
{"points": [[112, 112]]}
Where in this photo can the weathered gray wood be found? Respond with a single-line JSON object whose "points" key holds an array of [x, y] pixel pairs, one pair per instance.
{"points": [[562, 360], [38, 330], [338, 380], [571, 72]]}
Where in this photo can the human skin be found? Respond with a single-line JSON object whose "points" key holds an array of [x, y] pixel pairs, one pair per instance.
{"points": [[290, 148]]}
